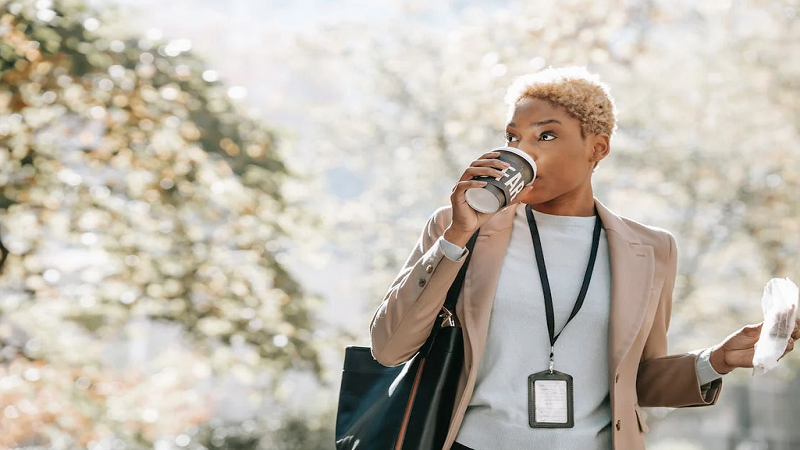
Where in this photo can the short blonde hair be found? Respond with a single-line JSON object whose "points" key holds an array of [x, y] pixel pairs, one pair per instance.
{"points": [[579, 91]]}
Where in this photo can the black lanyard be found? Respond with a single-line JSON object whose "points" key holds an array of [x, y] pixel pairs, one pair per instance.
{"points": [[548, 297]]}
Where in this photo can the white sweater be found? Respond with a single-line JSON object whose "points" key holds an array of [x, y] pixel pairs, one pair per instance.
{"points": [[518, 344]]}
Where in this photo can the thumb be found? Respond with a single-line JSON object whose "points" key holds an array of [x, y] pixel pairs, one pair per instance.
{"points": [[752, 330]]}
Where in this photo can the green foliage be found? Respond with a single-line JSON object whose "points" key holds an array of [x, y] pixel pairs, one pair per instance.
{"points": [[134, 188]]}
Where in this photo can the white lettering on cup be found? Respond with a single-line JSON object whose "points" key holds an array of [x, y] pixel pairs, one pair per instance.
{"points": [[516, 185], [505, 172]]}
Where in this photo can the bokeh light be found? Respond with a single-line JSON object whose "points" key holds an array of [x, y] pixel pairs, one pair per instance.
{"points": [[204, 202]]}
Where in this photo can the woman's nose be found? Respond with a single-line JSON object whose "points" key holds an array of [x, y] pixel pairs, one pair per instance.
{"points": [[527, 149]]}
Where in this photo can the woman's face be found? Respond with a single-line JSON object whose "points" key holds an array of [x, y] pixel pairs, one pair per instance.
{"points": [[564, 158]]}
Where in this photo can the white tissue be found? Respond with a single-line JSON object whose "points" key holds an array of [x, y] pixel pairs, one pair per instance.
{"points": [[779, 304]]}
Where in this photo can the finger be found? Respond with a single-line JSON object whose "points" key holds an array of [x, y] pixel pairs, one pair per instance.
{"points": [[786, 327], [473, 172], [496, 163], [461, 187], [489, 155], [752, 330], [789, 348], [780, 329]]}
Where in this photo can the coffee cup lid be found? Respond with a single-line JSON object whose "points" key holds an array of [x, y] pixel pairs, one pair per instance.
{"points": [[519, 153]]}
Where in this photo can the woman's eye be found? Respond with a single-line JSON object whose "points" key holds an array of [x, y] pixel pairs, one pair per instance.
{"points": [[510, 137], [547, 136]]}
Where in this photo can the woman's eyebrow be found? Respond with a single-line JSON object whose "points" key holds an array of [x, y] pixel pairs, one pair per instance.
{"points": [[544, 122], [537, 124]]}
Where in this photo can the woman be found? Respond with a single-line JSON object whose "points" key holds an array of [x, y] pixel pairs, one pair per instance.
{"points": [[613, 352]]}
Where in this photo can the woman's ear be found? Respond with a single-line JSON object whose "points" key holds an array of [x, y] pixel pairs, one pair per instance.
{"points": [[600, 147]]}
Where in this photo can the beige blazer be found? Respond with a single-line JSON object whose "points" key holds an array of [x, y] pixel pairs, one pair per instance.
{"points": [[643, 267]]}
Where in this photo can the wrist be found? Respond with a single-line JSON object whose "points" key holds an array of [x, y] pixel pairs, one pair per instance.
{"points": [[717, 360], [457, 237]]}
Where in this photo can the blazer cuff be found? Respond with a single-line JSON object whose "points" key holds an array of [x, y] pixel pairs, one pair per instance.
{"points": [[452, 251], [705, 371], [672, 381]]}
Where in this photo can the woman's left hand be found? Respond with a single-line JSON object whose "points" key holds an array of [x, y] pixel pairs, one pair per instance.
{"points": [[738, 348]]}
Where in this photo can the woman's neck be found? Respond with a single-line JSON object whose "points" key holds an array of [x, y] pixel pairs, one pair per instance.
{"points": [[569, 204]]}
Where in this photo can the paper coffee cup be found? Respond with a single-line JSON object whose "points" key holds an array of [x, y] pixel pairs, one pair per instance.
{"points": [[501, 191]]}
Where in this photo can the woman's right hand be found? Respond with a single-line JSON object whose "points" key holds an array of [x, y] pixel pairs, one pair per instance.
{"points": [[465, 219]]}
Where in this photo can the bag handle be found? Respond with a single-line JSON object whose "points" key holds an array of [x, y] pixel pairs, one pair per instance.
{"points": [[452, 297]]}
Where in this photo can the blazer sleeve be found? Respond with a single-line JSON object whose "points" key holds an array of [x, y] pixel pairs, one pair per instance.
{"points": [[670, 380], [403, 321]]}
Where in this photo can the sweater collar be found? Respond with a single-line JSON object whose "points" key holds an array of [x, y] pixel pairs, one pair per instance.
{"points": [[611, 222]]}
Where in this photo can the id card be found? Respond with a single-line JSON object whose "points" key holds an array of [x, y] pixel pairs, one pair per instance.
{"points": [[550, 400]]}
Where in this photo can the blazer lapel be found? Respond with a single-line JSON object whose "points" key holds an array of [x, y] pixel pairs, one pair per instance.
{"points": [[632, 271]]}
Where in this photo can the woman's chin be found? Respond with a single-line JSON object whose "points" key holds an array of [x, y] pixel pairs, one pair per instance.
{"points": [[535, 197]]}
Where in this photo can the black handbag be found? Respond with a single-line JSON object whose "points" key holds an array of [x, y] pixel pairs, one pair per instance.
{"points": [[405, 407]]}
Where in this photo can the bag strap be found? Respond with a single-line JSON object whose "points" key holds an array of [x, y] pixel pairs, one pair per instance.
{"points": [[452, 296]]}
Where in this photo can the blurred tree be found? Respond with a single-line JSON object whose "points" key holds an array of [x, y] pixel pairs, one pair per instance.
{"points": [[3, 255], [134, 190], [707, 145], [391, 114]]}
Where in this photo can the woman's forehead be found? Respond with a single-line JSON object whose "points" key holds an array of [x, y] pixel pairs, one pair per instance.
{"points": [[532, 111]]}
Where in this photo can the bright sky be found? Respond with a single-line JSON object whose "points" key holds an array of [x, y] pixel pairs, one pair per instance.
{"points": [[303, 12]]}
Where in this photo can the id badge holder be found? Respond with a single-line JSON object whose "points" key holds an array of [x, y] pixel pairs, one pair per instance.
{"points": [[550, 403]]}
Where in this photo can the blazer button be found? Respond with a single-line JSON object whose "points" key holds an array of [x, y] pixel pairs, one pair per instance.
{"points": [[619, 424], [422, 282], [429, 269], [616, 379]]}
